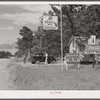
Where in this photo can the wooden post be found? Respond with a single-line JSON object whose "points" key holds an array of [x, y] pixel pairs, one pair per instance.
{"points": [[93, 60], [46, 57], [65, 62], [96, 60], [78, 65], [79, 57], [66, 65]]}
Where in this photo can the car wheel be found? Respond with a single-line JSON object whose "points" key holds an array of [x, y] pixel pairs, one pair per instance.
{"points": [[33, 62], [48, 62]]}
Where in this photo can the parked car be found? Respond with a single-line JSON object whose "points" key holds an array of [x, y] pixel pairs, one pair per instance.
{"points": [[40, 57]]}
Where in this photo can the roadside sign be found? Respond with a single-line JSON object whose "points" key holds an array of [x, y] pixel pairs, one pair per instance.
{"points": [[50, 22], [72, 58], [92, 48]]}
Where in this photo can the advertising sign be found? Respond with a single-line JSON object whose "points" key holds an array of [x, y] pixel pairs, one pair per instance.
{"points": [[92, 48], [72, 58], [50, 22]]}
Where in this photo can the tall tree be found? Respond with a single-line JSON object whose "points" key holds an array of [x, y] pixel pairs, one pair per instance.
{"points": [[25, 43], [70, 21], [78, 20], [49, 39]]}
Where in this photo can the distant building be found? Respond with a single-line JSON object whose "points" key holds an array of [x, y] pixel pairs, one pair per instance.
{"points": [[92, 40], [78, 44]]}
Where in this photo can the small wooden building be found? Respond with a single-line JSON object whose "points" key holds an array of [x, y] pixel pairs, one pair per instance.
{"points": [[77, 44]]}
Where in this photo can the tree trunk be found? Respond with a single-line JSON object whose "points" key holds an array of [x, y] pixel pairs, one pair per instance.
{"points": [[28, 54]]}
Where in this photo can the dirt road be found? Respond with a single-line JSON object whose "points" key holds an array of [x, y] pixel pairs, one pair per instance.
{"points": [[4, 73]]}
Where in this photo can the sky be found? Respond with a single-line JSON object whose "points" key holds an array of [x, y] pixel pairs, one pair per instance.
{"points": [[13, 17]]}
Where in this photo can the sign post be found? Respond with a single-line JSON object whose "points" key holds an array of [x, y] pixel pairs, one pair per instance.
{"points": [[93, 49], [93, 60], [72, 58], [96, 59], [51, 23]]}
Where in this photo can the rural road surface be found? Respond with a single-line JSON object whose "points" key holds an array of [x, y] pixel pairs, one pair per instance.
{"points": [[4, 72]]}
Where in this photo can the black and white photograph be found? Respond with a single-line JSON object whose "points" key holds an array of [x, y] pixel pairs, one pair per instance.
{"points": [[49, 46]]}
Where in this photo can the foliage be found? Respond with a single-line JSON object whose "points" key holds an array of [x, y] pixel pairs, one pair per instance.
{"points": [[78, 20], [25, 44], [5, 54], [51, 40]]}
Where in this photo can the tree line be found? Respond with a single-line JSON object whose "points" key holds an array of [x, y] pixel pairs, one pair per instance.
{"points": [[78, 20], [5, 54]]}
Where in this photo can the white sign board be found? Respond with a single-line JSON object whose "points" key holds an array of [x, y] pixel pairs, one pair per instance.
{"points": [[50, 22], [92, 48], [72, 58]]}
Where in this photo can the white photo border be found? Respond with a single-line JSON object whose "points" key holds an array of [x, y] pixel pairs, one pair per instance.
{"points": [[29, 94]]}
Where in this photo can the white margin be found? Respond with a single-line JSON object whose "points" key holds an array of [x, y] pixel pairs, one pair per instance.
{"points": [[18, 94], [48, 2]]}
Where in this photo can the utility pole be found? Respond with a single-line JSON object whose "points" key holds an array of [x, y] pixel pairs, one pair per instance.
{"points": [[61, 36]]}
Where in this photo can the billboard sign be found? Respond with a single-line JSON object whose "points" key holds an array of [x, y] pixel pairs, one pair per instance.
{"points": [[92, 48], [72, 58], [50, 22]]}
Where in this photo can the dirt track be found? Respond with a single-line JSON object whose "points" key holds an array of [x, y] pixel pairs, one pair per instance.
{"points": [[4, 73]]}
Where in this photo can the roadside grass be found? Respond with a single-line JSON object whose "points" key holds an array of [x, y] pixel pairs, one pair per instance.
{"points": [[13, 62], [18, 59], [51, 77]]}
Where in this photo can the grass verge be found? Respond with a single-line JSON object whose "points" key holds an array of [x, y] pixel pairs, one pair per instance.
{"points": [[51, 77]]}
